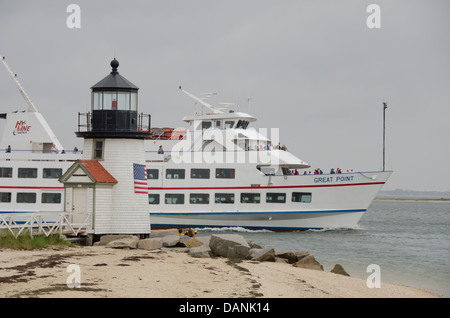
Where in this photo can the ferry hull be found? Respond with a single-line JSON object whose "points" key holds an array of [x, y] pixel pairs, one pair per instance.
{"points": [[333, 206], [276, 221]]}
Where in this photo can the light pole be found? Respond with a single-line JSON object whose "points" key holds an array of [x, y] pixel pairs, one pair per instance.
{"points": [[384, 135]]}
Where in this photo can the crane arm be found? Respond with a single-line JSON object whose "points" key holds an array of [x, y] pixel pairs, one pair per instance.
{"points": [[31, 107]]}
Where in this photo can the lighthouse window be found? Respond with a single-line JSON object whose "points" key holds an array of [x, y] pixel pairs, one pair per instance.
{"points": [[97, 100], [5, 172], [153, 198], [152, 173], [276, 197], [250, 198], [199, 173], [28, 173], [133, 101], [24, 197], [123, 101], [199, 198], [304, 197], [174, 198], [51, 198], [224, 198], [109, 100], [225, 173], [175, 174], [98, 149], [49, 173], [5, 197]]}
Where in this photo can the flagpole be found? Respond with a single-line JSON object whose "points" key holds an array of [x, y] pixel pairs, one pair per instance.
{"points": [[384, 135]]}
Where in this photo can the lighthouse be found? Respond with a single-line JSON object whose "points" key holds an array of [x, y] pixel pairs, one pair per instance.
{"points": [[110, 181]]}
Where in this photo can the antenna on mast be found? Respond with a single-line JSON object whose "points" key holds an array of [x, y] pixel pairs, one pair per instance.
{"points": [[214, 109], [31, 107]]}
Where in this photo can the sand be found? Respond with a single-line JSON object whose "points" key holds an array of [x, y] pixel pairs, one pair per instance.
{"points": [[172, 273]]}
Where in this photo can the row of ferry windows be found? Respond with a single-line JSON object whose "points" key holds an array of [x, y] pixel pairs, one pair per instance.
{"points": [[29, 197], [195, 173], [224, 198], [32, 173]]}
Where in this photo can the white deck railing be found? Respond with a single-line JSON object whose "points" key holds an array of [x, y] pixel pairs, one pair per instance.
{"points": [[42, 223]]}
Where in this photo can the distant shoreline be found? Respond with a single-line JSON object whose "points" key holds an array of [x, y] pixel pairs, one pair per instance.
{"points": [[412, 200]]}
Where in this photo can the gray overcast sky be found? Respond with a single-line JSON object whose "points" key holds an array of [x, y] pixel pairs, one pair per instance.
{"points": [[311, 68]]}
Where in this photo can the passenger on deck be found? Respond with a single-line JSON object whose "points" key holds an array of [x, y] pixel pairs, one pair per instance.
{"points": [[8, 150], [332, 171], [160, 150]]}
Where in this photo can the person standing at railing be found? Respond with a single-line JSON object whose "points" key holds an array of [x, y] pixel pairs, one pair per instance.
{"points": [[8, 150]]}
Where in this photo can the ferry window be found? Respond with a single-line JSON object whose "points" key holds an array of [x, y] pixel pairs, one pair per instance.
{"points": [[200, 173], [301, 197], [152, 174], [250, 198], [206, 124], [27, 172], [276, 197], [175, 174], [225, 173], [153, 198], [199, 198], [50, 173], [229, 124], [51, 198], [23, 197], [242, 124], [5, 197], [5, 172], [98, 149], [218, 122], [224, 198], [174, 198]]}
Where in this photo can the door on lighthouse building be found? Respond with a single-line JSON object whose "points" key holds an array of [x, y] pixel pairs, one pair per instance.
{"points": [[79, 204]]}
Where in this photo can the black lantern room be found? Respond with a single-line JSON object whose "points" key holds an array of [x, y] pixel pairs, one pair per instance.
{"points": [[114, 110]]}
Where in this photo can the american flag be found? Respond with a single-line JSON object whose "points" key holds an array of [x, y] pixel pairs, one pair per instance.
{"points": [[140, 179]]}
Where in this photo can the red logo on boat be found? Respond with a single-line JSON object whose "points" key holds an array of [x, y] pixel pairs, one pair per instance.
{"points": [[21, 127]]}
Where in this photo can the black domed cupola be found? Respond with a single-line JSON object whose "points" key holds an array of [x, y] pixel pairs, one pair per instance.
{"points": [[114, 106]]}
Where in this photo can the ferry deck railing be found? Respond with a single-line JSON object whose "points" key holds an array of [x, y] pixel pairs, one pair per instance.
{"points": [[45, 223]]}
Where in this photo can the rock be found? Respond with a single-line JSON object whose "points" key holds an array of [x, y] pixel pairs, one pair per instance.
{"points": [[301, 254], [162, 233], [150, 243], [338, 269], [193, 242], [288, 255], [170, 240], [309, 262], [229, 245], [105, 239], [254, 245], [263, 255], [127, 242], [202, 251]]}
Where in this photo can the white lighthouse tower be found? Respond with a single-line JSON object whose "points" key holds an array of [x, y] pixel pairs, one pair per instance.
{"points": [[112, 173]]}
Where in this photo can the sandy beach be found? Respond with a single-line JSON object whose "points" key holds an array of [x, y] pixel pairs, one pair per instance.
{"points": [[172, 273]]}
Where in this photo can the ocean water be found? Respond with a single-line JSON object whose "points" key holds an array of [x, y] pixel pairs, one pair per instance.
{"points": [[410, 241]]}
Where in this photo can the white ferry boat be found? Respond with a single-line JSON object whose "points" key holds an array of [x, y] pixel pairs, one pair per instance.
{"points": [[216, 172]]}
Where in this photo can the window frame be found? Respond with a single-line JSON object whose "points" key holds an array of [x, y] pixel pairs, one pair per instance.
{"points": [[306, 194]]}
